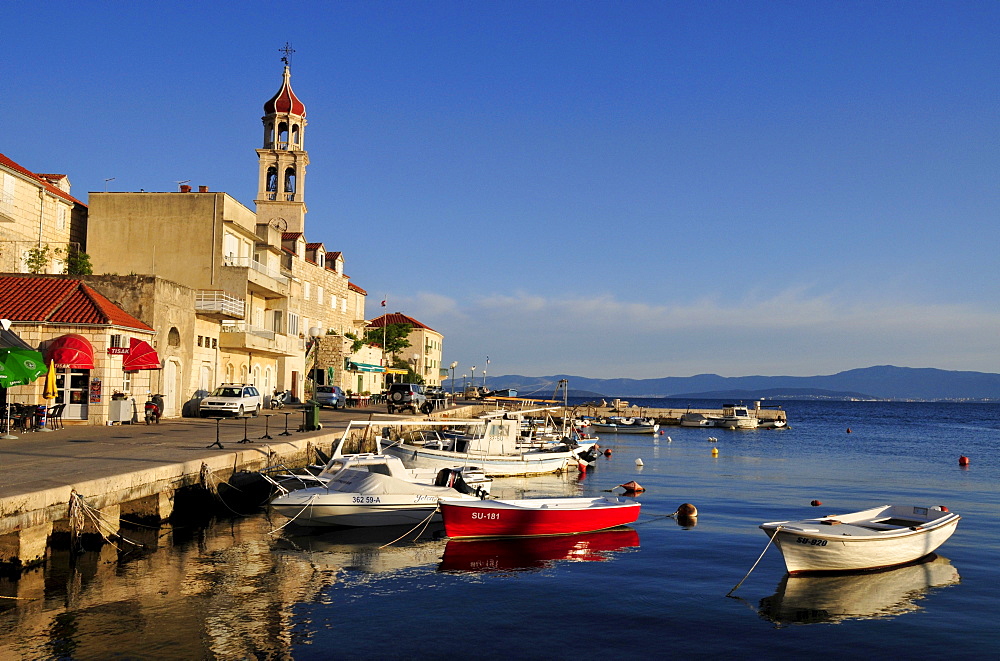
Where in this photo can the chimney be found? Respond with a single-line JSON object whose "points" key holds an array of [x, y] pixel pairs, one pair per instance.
{"points": [[202, 189], [185, 188]]}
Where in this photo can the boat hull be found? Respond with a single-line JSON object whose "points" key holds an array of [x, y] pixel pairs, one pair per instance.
{"points": [[527, 518], [851, 543], [529, 463], [319, 507], [625, 429]]}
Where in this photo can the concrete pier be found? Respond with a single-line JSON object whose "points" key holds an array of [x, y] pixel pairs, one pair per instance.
{"points": [[131, 473], [134, 473]]}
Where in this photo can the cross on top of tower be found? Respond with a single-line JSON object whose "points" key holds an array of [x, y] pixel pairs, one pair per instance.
{"points": [[287, 50]]}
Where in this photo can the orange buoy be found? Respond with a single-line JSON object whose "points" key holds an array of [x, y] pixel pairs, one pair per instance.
{"points": [[661, 432], [848, 430], [816, 503], [632, 487], [688, 510], [963, 461], [607, 453]]}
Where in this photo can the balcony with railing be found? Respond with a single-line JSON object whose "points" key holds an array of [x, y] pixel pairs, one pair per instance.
{"points": [[245, 336], [260, 277], [219, 304]]}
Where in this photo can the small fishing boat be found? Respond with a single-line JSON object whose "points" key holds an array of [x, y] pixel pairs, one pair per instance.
{"points": [[493, 444], [619, 425], [737, 416], [882, 536], [376, 490], [536, 516], [690, 419]]}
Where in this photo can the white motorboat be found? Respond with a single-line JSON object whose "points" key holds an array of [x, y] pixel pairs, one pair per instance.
{"points": [[699, 420], [882, 536], [494, 445], [376, 490], [620, 425], [737, 416]]}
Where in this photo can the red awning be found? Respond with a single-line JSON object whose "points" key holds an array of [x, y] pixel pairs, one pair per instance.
{"points": [[71, 350], [140, 356]]}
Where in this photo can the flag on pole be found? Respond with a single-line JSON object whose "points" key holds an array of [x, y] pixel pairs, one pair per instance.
{"points": [[383, 302]]}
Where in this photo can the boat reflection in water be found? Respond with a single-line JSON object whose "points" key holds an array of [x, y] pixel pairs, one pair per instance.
{"points": [[366, 550], [533, 553], [873, 595]]}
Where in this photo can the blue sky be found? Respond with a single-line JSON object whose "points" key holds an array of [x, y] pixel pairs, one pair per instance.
{"points": [[635, 189]]}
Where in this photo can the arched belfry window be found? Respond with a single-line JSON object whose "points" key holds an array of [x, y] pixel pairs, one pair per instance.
{"points": [[290, 183], [271, 182], [283, 135], [295, 134], [269, 138]]}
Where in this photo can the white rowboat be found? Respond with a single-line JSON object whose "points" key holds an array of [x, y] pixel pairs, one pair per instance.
{"points": [[879, 537]]}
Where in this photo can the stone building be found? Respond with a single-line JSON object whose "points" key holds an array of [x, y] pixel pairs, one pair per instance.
{"points": [[101, 353], [426, 346], [38, 217], [265, 298]]}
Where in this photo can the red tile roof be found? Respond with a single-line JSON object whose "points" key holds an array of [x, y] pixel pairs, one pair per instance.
{"points": [[396, 318], [290, 236], [41, 180], [314, 246], [354, 287], [60, 301]]}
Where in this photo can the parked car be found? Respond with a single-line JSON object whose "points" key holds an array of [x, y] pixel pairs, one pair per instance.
{"points": [[475, 392], [332, 396], [411, 396], [236, 399]]}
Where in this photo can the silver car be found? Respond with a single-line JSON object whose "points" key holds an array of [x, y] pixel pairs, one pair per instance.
{"points": [[331, 396], [235, 399]]}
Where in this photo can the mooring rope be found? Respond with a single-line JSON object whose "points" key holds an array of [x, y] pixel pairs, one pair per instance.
{"points": [[766, 546], [426, 522], [80, 508], [304, 507]]}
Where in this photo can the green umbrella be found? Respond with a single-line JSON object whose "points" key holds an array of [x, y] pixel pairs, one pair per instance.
{"points": [[20, 366]]}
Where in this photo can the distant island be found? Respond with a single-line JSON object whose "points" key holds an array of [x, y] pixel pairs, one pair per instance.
{"points": [[883, 382]]}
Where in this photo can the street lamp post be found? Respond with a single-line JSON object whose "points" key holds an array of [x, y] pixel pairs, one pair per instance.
{"points": [[473, 376], [416, 364], [464, 385], [454, 364]]}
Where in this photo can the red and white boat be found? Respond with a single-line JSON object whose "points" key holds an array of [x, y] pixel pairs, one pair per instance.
{"points": [[535, 516]]}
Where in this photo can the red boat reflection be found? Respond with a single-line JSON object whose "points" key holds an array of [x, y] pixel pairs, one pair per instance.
{"points": [[529, 553]]}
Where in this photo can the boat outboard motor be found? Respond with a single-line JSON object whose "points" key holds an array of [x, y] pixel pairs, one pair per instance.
{"points": [[445, 478]]}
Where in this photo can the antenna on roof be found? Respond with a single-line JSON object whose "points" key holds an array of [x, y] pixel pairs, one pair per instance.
{"points": [[287, 50]]}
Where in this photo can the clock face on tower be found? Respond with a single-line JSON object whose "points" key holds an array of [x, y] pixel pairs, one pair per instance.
{"points": [[279, 224]]}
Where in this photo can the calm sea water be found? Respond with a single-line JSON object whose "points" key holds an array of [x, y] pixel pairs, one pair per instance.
{"points": [[235, 590]]}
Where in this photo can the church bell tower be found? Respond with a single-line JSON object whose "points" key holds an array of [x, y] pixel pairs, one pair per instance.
{"points": [[283, 159]]}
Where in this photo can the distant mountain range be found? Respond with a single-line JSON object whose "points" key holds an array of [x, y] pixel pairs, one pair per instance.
{"points": [[881, 382]]}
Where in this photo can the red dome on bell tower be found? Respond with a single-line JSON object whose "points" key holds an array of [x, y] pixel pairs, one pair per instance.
{"points": [[285, 100]]}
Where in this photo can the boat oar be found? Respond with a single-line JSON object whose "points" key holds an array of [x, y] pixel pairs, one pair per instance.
{"points": [[766, 546]]}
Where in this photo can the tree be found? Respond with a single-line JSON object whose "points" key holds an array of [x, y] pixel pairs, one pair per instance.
{"points": [[78, 263], [37, 259], [391, 337], [411, 376]]}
